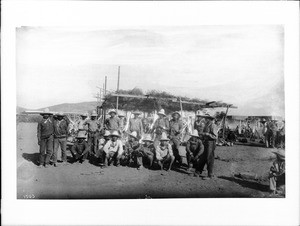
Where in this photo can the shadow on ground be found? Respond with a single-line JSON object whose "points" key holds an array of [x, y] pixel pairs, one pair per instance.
{"points": [[31, 157], [247, 184]]}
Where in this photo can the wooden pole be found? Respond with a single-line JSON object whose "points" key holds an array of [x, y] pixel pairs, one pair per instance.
{"points": [[117, 105], [180, 106], [223, 135], [105, 87]]}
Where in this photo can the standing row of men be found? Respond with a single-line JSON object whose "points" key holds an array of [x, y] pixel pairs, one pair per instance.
{"points": [[166, 135]]}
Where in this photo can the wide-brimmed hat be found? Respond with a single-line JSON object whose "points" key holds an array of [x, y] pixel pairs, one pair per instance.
{"points": [[46, 112], [81, 136], [121, 115], [199, 113], [84, 114], [60, 114], [280, 153], [147, 138], [208, 115], [195, 134], [115, 133], [136, 113], [94, 113], [161, 112], [112, 111], [164, 137], [263, 120], [133, 134], [107, 133], [176, 112]]}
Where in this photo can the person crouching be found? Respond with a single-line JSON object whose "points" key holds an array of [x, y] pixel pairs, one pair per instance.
{"points": [[194, 150], [113, 149], [148, 149], [277, 173], [164, 153], [102, 142], [80, 149], [133, 151]]}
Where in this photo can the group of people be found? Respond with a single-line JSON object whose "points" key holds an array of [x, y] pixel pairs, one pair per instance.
{"points": [[144, 144]]}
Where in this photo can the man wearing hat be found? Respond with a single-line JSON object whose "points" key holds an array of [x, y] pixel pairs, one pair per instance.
{"points": [[80, 149], [210, 134], [199, 123], [161, 125], [94, 129], [45, 131], [176, 126], [271, 133], [113, 149], [194, 150], [122, 118], [113, 122], [61, 125], [80, 125], [164, 153], [148, 149], [102, 142], [133, 151], [135, 124], [277, 172]]}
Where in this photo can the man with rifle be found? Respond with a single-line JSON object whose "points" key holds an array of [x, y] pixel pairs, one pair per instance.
{"points": [[176, 126]]}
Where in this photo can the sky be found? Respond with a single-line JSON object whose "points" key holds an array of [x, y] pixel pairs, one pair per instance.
{"points": [[242, 65]]}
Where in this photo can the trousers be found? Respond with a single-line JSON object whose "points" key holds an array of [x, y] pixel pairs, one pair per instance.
{"points": [[62, 143], [208, 157], [175, 147], [93, 142], [46, 150]]}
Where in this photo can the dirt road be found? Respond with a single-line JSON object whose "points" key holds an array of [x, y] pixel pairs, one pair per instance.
{"points": [[88, 181]]}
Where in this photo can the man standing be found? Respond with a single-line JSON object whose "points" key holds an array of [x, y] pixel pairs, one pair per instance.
{"points": [[199, 123], [122, 118], [113, 149], [135, 125], [80, 127], [61, 125], [94, 129], [45, 132], [164, 152], [161, 125], [210, 133], [194, 150], [176, 126], [113, 122], [80, 149]]}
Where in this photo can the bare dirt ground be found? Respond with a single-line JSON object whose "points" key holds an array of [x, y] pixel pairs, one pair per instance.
{"points": [[88, 181]]}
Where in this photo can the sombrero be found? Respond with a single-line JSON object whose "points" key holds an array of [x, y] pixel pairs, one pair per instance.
{"points": [[161, 112], [195, 134], [136, 113], [80, 136], [133, 134], [112, 111], [46, 112], [176, 112], [107, 133], [115, 133], [164, 137], [148, 138]]}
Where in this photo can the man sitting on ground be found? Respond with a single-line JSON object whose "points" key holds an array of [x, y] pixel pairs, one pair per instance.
{"points": [[194, 149], [113, 149], [80, 149], [164, 152]]}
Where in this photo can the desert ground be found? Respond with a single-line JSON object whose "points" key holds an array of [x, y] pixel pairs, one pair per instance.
{"points": [[89, 181]]}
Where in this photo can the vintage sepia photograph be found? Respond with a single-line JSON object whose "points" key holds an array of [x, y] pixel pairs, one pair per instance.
{"points": [[150, 112]]}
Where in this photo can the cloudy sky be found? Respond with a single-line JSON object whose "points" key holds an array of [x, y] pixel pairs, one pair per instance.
{"points": [[242, 65]]}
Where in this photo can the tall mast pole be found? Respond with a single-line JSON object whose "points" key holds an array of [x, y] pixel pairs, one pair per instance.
{"points": [[118, 85]]}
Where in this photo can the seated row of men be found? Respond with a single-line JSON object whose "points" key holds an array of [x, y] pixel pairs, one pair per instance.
{"points": [[53, 130]]}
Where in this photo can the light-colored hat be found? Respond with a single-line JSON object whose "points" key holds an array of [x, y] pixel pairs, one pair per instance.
{"points": [[199, 113], [112, 111], [121, 115], [133, 134], [148, 138], [115, 133], [164, 137], [60, 114], [107, 133], [84, 114], [94, 113], [176, 112], [81, 136], [207, 115], [161, 112], [136, 113], [280, 153], [195, 134], [46, 112], [263, 120]]}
